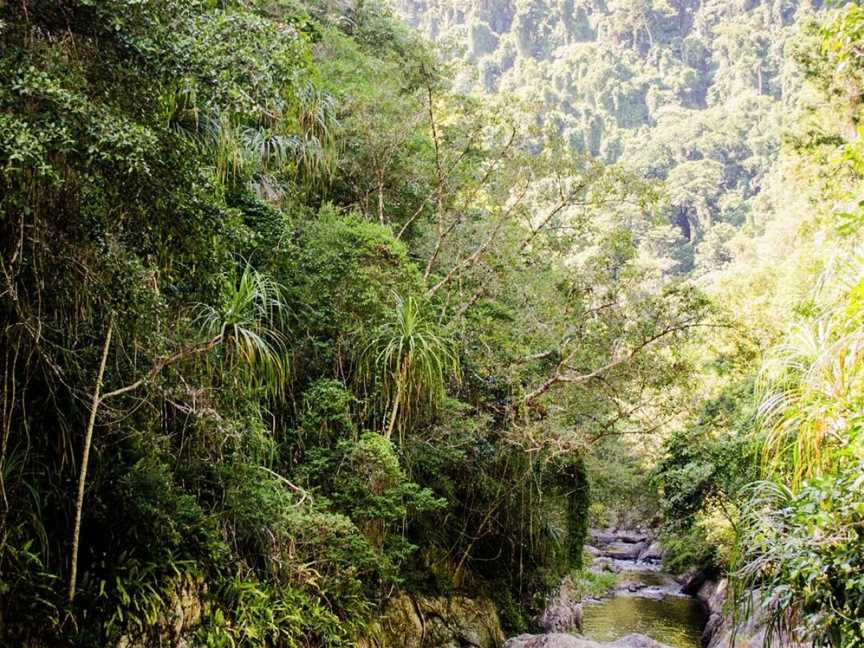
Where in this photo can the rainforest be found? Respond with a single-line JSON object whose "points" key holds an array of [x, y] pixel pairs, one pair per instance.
{"points": [[431, 323]]}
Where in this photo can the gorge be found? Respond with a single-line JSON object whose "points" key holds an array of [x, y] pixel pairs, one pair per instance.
{"points": [[427, 323]]}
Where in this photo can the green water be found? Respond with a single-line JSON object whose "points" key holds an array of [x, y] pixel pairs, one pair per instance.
{"points": [[672, 620]]}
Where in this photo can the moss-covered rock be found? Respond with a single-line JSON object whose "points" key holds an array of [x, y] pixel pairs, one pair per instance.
{"points": [[436, 622]]}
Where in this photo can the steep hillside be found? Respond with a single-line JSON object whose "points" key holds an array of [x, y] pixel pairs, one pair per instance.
{"points": [[686, 91]]}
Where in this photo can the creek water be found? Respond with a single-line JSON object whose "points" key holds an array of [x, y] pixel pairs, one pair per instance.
{"points": [[655, 609]]}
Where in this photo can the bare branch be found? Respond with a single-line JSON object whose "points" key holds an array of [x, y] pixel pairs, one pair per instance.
{"points": [[164, 363], [560, 376], [480, 250]]}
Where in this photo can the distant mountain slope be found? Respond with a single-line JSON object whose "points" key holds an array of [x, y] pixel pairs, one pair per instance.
{"points": [[687, 91]]}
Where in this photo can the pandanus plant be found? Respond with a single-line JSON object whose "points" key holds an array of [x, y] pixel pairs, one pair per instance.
{"points": [[408, 362], [247, 324]]}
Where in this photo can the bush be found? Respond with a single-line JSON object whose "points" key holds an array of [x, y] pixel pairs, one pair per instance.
{"points": [[806, 553]]}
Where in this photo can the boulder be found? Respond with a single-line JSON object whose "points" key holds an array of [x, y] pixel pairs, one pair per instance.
{"points": [[564, 611], [559, 640], [436, 622], [554, 640], [691, 581], [603, 564], [637, 641], [632, 536], [600, 538], [624, 550], [653, 553], [631, 586], [712, 593], [715, 620], [750, 633]]}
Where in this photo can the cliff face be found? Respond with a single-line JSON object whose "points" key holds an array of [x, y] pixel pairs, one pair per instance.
{"points": [[687, 91]]}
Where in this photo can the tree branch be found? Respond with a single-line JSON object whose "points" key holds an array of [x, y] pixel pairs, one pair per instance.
{"points": [[559, 376], [162, 364]]}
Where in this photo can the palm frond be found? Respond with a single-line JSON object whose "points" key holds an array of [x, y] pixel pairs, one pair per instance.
{"points": [[249, 323], [406, 362]]}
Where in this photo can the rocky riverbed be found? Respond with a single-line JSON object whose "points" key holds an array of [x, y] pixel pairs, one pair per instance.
{"points": [[645, 609]]}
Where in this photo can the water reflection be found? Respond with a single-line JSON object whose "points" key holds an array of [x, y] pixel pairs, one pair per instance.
{"points": [[674, 620]]}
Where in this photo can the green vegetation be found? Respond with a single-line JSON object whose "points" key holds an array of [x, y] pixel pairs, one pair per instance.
{"points": [[298, 315], [690, 92], [593, 584]]}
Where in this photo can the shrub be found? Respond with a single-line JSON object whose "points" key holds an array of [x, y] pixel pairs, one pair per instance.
{"points": [[806, 552]]}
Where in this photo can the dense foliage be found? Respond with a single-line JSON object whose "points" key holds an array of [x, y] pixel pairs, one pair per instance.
{"points": [[785, 469], [297, 315], [691, 92], [751, 115], [289, 325]]}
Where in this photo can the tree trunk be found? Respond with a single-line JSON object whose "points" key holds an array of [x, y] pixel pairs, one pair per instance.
{"points": [[381, 197], [85, 458], [394, 412]]}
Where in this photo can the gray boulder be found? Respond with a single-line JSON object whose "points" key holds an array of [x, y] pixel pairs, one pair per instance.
{"points": [[624, 550], [564, 610], [654, 553], [559, 640], [632, 536], [600, 538]]}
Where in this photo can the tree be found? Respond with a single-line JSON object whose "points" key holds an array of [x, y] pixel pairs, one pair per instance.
{"points": [[408, 362]]}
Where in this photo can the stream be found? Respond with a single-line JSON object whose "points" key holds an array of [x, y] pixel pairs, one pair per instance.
{"points": [[648, 602], [645, 608]]}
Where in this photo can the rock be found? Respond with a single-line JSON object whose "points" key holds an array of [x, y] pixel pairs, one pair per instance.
{"points": [[654, 553], [591, 551], [713, 595], [564, 611], [555, 640], [560, 617], [632, 537], [559, 640], [637, 641], [601, 538], [436, 622], [180, 620], [751, 633], [714, 622], [692, 581], [718, 631], [624, 550], [603, 564]]}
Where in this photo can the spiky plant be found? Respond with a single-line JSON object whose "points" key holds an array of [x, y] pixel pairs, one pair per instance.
{"points": [[248, 325], [407, 362], [798, 557], [809, 393], [759, 552]]}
